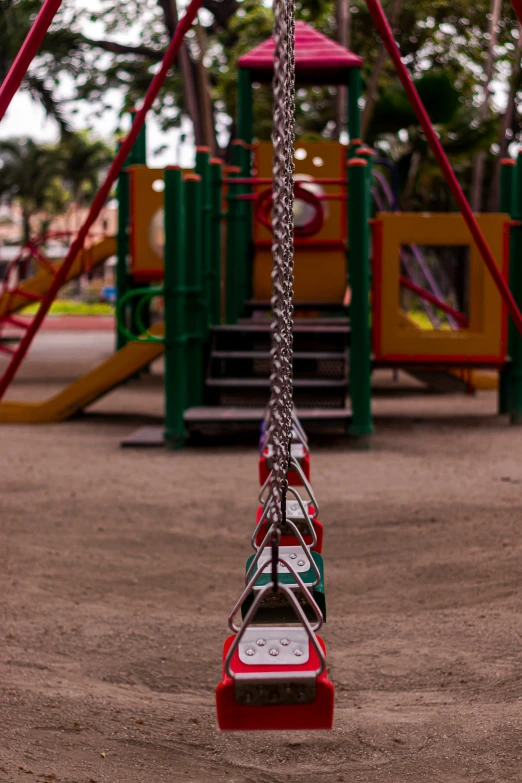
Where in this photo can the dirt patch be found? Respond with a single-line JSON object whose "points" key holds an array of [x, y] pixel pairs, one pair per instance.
{"points": [[118, 569]]}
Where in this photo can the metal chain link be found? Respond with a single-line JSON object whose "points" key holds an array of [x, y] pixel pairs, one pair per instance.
{"points": [[281, 403]]}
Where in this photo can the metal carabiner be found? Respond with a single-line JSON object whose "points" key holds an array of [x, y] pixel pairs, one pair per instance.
{"points": [[249, 587], [266, 509], [304, 546]]}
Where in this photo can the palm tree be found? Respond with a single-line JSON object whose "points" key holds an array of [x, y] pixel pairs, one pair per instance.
{"points": [[82, 161], [29, 175]]}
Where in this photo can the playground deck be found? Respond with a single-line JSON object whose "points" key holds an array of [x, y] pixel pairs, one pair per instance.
{"points": [[115, 567]]}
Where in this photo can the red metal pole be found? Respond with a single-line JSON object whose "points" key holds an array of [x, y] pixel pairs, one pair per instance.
{"points": [[61, 275], [517, 5], [429, 297], [24, 57], [385, 31]]}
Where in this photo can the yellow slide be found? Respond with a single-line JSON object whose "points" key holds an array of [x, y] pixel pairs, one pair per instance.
{"points": [[39, 283], [118, 368]]}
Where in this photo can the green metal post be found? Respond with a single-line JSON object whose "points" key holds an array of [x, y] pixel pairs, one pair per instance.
{"points": [[354, 110], [203, 170], [122, 281], [245, 106], [232, 283], [507, 204], [359, 281], [513, 380], [138, 157], [241, 240], [174, 297], [196, 311], [216, 186], [367, 154]]}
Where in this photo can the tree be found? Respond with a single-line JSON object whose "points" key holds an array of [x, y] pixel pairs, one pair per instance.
{"points": [[445, 39], [81, 161], [45, 178], [28, 175]]}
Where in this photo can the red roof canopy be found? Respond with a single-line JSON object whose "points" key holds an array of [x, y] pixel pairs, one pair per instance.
{"points": [[318, 59]]}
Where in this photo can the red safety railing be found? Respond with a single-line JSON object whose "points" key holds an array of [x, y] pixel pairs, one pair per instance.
{"points": [[26, 54], [103, 193], [459, 317], [11, 286], [381, 22]]}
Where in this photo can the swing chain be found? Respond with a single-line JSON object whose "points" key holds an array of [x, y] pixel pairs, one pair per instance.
{"points": [[281, 403]]}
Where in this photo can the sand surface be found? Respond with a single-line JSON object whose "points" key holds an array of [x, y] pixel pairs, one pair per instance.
{"points": [[118, 569]]}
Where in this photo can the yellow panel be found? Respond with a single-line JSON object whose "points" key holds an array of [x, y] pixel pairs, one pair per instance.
{"points": [[485, 337], [326, 248], [311, 283], [146, 264]]}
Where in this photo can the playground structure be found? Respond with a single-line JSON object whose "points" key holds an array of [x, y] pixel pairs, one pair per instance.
{"points": [[274, 670], [216, 281]]}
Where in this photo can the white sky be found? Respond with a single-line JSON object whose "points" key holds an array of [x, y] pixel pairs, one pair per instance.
{"points": [[25, 117]]}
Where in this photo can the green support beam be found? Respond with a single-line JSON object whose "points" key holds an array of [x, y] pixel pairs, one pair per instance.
{"points": [[359, 282], [245, 106], [232, 281], [202, 168], [196, 311], [216, 243], [512, 392], [175, 308], [138, 155], [354, 110]]}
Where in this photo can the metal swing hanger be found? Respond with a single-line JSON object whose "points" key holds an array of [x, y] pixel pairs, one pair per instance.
{"points": [[297, 467], [309, 519], [270, 586], [306, 553]]}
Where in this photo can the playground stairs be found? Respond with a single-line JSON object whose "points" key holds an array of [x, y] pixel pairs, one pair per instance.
{"points": [[238, 373]]}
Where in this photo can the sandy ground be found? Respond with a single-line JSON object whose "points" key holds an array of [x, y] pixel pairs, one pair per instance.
{"points": [[118, 569]]}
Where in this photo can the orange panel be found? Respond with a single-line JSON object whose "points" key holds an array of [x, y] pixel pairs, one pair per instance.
{"points": [[146, 207], [395, 338], [147, 234], [320, 261]]}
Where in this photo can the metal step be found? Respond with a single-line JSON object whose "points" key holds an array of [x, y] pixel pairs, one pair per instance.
{"points": [[255, 392], [309, 337], [219, 420], [316, 322], [265, 304], [264, 383], [340, 325], [256, 364], [266, 355]]}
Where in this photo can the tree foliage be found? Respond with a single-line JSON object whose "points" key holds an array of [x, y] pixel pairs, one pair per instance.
{"points": [[44, 178], [443, 43]]}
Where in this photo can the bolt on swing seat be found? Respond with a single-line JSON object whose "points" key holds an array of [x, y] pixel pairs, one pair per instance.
{"points": [[299, 569], [294, 513], [274, 677], [304, 518]]}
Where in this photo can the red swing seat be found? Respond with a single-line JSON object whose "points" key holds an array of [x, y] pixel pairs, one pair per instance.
{"points": [[290, 539], [294, 702], [294, 479]]}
